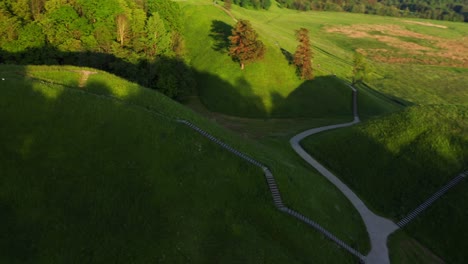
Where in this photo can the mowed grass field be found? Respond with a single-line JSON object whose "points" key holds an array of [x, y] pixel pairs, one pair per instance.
{"points": [[99, 174], [412, 61], [396, 162]]}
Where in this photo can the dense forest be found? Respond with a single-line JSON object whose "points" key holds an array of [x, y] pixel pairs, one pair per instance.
{"points": [[141, 40], [452, 10], [136, 39]]}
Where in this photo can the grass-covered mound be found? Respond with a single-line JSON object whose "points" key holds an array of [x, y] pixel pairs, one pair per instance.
{"points": [[411, 61], [396, 162], [87, 178]]}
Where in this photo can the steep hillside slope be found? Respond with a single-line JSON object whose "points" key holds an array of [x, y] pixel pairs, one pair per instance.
{"points": [[89, 178]]}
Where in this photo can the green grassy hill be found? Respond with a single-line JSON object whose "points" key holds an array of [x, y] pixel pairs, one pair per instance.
{"points": [[396, 162], [94, 171], [266, 88], [413, 61]]}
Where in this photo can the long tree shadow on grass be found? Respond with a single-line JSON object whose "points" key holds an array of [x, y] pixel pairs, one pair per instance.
{"points": [[176, 79], [288, 56], [325, 96], [169, 75], [164, 74], [220, 32], [237, 100]]}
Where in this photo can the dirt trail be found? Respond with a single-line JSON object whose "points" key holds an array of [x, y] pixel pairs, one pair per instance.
{"points": [[227, 12], [84, 77]]}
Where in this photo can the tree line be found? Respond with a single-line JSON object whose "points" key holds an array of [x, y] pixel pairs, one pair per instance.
{"points": [[136, 33], [451, 10], [258, 4]]}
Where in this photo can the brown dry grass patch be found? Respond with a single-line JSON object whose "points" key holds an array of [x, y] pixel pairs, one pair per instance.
{"points": [[427, 24], [434, 51], [84, 77]]}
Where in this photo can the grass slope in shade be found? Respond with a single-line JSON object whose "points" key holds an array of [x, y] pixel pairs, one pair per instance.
{"points": [[442, 227], [396, 162], [88, 179], [406, 250]]}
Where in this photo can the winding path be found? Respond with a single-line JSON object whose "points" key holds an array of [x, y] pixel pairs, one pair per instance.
{"points": [[379, 228]]}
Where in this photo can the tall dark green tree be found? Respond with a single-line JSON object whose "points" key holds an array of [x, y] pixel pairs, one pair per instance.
{"points": [[245, 46]]}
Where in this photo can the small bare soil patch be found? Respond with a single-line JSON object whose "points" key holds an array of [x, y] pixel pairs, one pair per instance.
{"points": [[84, 77], [408, 46], [424, 24]]}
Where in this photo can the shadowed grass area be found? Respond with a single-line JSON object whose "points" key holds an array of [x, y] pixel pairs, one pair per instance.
{"points": [[396, 162], [406, 250], [442, 227], [414, 150], [87, 178]]}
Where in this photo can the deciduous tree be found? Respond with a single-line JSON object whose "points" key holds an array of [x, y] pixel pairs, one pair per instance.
{"points": [[360, 68], [37, 7], [158, 39], [245, 47], [121, 22], [303, 55], [21, 9]]}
